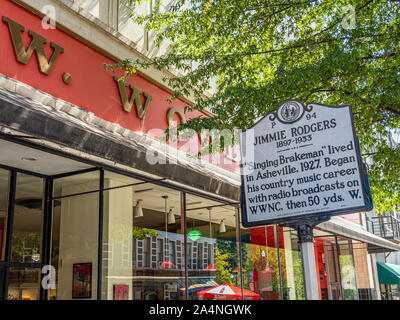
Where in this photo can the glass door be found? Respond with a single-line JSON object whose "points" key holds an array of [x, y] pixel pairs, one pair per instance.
{"points": [[21, 235]]}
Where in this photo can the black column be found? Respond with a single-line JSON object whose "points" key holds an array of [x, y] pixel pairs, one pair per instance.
{"points": [[10, 222], [100, 243], [47, 228]]}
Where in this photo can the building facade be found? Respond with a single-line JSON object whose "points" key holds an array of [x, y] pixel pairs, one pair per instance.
{"points": [[94, 205], [387, 226]]}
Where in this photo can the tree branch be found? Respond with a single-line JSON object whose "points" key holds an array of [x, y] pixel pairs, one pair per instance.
{"points": [[394, 111], [379, 57]]}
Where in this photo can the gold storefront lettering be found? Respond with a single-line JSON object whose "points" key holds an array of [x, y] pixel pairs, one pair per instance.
{"points": [[37, 44], [170, 115], [127, 103], [45, 66]]}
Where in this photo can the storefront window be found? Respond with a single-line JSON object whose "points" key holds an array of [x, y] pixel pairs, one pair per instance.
{"points": [[24, 284], [74, 247], [335, 268], [291, 265], [143, 242], [4, 185], [28, 216], [364, 285], [260, 262], [326, 260], [347, 270], [77, 183], [213, 257]]}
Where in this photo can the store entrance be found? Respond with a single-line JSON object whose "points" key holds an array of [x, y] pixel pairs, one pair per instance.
{"points": [[25, 174], [21, 212]]}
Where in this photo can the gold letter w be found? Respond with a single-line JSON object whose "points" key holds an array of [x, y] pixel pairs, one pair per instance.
{"points": [[37, 44], [135, 97]]}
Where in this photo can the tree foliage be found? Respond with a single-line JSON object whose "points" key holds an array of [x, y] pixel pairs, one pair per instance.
{"points": [[143, 233], [263, 52], [222, 264]]}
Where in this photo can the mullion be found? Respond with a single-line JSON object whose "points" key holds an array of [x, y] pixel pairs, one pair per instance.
{"points": [[186, 271], [100, 236], [10, 223], [214, 206], [35, 174], [74, 173], [104, 189], [25, 265], [47, 231]]}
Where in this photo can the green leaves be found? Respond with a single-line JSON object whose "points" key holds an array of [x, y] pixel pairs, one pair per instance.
{"points": [[143, 233], [261, 53]]}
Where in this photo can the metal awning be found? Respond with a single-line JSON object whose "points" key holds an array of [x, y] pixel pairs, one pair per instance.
{"points": [[343, 227], [388, 273]]}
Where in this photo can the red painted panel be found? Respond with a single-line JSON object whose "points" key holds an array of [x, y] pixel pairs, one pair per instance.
{"points": [[266, 236], [270, 236], [258, 236], [321, 270]]}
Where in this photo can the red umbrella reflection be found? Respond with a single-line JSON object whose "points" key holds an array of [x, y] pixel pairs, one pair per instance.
{"points": [[211, 267], [167, 265], [226, 291]]}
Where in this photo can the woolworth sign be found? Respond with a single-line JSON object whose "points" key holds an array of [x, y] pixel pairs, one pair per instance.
{"points": [[302, 161]]}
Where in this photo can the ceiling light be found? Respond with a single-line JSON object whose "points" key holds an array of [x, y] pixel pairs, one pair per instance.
{"points": [[28, 159], [138, 211], [171, 217], [35, 257], [222, 228]]}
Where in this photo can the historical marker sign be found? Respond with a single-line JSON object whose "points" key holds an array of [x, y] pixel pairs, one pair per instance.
{"points": [[301, 162]]}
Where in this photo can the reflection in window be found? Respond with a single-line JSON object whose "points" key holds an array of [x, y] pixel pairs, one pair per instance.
{"points": [[75, 237], [291, 265], [189, 255], [24, 284], [160, 251], [264, 273], [212, 248], [28, 216], [210, 254], [347, 270], [146, 220], [172, 252], [327, 268], [77, 183], [200, 255]]}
